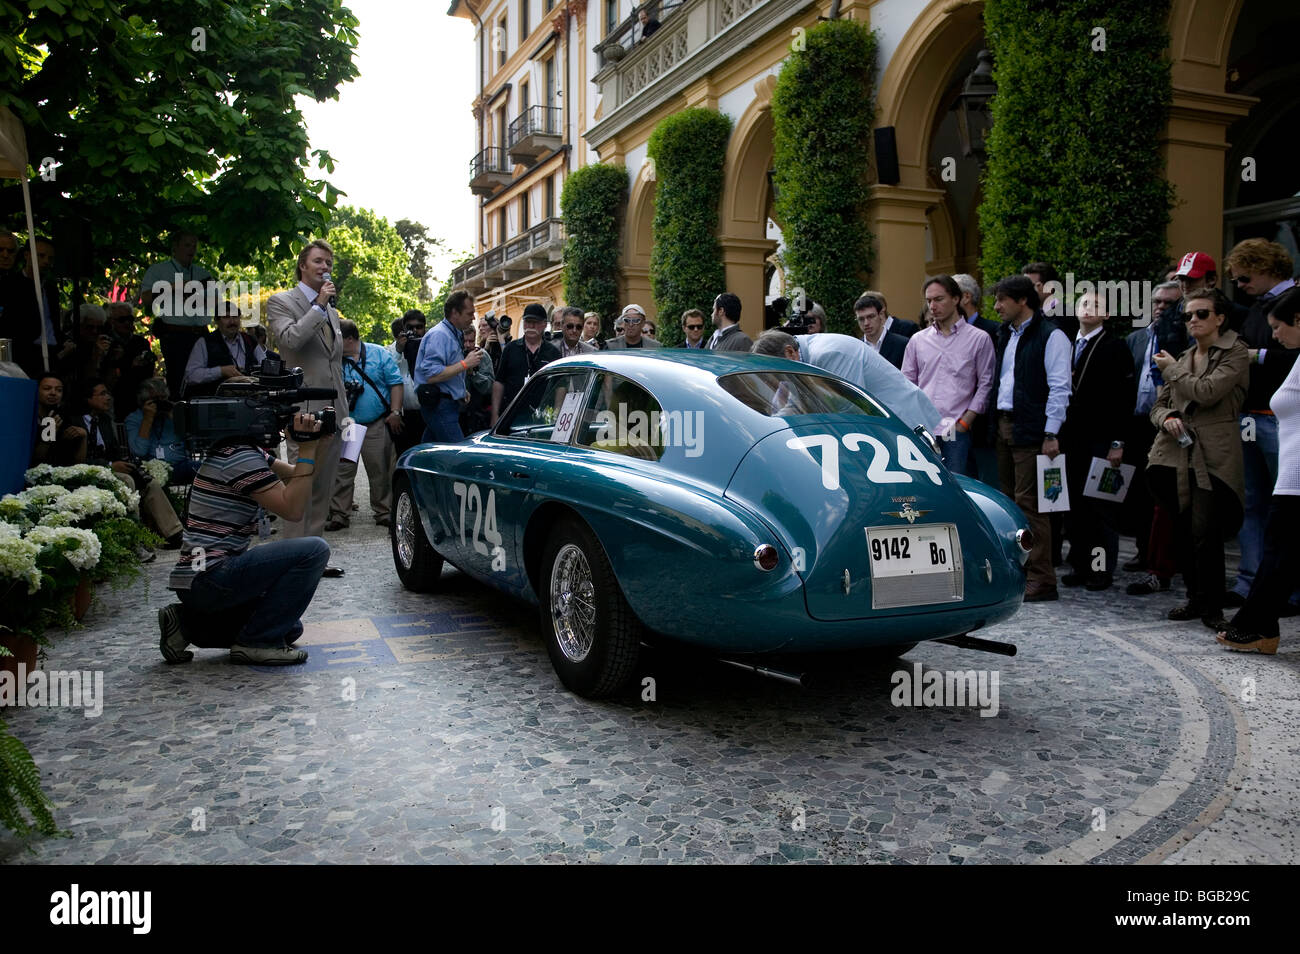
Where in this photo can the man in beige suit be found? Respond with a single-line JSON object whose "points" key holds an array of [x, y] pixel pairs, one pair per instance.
{"points": [[308, 336]]}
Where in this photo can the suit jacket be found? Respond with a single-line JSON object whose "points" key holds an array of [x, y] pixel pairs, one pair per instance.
{"points": [[620, 344], [21, 320], [734, 340], [892, 349], [1137, 346], [309, 340], [903, 327], [1104, 392], [984, 324]]}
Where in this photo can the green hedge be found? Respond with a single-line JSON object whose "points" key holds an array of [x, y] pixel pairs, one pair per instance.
{"points": [[591, 205], [1074, 173], [689, 151], [822, 113]]}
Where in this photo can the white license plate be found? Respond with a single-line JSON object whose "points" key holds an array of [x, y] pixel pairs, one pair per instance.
{"points": [[910, 551]]}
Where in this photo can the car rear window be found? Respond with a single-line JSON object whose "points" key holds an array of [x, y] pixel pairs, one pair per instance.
{"points": [[781, 394]]}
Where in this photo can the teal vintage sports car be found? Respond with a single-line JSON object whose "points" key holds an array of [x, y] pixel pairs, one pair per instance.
{"points": [[745, 505]]}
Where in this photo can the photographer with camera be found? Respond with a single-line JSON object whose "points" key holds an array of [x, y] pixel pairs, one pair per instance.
{"points": [[440, 370], [151, 434], [407, 332], [375, 396], [250, 599], [305, 325]]}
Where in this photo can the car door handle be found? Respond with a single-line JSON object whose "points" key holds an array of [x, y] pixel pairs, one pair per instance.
{"points": [[520, 474]]}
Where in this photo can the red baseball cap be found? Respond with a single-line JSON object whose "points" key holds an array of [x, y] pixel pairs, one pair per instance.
{"points": [[1195, 265]]}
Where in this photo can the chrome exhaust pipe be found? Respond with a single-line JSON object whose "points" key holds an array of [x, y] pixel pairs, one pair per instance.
{"points": [[794, 679], [966, 641]]}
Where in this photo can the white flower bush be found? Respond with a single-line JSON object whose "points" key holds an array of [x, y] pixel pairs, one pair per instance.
{"points": [[81, 475], [84, 555], [18, 558], [86, 502], [43, 496], [13, 509], [158, 469]]}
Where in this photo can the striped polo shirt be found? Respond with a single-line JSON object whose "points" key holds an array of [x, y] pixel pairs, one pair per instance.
{"points": [[222, 514]]}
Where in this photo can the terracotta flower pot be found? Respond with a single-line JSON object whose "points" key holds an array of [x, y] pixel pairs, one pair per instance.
{"points": [[81, 598], [24, 650]]}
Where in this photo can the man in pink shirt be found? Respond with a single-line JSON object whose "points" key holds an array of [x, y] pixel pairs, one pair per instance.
{"points": [[952, 362]]}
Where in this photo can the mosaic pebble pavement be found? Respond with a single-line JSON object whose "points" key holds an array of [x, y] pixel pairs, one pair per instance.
{"points": [[432, 729]]}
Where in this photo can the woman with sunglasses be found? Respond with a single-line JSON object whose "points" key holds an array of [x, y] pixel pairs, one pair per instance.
{"points": [[1254, 628], [1195, 465]]}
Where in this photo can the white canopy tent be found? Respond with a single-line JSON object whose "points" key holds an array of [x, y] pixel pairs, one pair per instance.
{"points": [[13, 165]]}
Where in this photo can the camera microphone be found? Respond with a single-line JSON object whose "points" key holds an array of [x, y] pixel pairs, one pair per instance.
{"points": [[315, 394], [334, 299]]}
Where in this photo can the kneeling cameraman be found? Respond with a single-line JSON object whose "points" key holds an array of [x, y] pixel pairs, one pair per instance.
{"points": [[230, 595]]}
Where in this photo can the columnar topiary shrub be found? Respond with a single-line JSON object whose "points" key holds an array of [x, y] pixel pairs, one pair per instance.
{"points": [[591, 206], [689, 151], [822, 114], [1074, 174]]}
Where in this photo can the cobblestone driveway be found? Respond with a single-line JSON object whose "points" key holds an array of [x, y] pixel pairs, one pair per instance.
{"points": [[433, 729]]}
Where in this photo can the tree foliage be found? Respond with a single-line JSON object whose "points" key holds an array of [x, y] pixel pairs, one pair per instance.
{"points": [[822, 115], [419, 243], [689, 151], [591, 206], [371, 271], [1074, 174], [168, 113]]}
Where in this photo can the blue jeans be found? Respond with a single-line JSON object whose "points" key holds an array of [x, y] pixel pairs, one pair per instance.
{"points": [[956, 452], [442, 424], [266, 588], [1260, 459]]}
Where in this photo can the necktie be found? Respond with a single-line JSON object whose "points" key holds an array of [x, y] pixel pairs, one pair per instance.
{"points": [[1078, 349]]}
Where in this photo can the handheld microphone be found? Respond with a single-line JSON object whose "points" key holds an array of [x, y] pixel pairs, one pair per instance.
{"points": [[334, 299]]}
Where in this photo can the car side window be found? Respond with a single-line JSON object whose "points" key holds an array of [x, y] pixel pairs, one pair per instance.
{"points": [[548, 409], [622, 418]]}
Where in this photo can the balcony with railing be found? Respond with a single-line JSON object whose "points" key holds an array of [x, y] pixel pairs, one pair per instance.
{"points": [[489, 171], [536, 131], [538, 248], [693, 38]]}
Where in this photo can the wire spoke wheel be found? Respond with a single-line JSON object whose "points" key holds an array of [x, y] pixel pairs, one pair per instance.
{"points": [[573, 611], [418, 565]]}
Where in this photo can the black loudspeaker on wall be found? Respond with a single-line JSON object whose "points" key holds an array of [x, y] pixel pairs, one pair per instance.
{"points": [[886, 156]]}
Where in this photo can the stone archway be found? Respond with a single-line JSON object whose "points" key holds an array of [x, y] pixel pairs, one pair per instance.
{"points": [[1195, 141], [638, 241], [743, 213], [912, 221]]}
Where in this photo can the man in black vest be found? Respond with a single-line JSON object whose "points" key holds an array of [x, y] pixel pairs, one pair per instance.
{"points": [[1031, 392], [228, 352], [1103, 389]]}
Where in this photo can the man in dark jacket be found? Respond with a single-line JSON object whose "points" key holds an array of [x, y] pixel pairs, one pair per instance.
{"points": [[1031, 392], [1103, 389]]}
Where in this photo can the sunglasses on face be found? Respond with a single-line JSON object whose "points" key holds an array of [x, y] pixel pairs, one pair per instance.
{"points": [[1202, 313], [694, 327], [573, 327], [1241, 279]]}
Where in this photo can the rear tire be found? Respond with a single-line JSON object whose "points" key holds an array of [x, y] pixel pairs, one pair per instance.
{"points": [[419, 566], [592, 635]]}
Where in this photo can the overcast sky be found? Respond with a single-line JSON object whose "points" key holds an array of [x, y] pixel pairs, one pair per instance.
{"points": [[401, 133]]}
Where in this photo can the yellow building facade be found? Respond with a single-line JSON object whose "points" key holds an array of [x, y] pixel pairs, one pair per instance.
{"points": [[1233, 92]]}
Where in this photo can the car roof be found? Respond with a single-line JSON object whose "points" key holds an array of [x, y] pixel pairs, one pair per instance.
{"points": [[686, 381]]}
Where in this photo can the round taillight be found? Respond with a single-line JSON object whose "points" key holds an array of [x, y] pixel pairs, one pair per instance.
{"points": [[1025, 539], [766, 557]]}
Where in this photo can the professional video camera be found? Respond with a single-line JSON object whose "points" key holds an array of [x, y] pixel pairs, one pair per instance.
{"points": [[495, 323], [797, 323], [254, 411]]}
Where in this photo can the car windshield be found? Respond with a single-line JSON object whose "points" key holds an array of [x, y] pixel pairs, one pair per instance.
{"points": [[781, 394]]}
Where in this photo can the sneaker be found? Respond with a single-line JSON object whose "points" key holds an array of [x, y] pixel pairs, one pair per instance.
{"points": [[172, 643], [266, 655], [1147, 585], [1246, 642]]}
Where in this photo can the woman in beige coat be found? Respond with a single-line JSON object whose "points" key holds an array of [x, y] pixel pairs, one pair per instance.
{"points": [[1195, 467]]}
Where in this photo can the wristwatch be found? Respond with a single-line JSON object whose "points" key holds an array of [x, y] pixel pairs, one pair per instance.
{"points": [[1049, 436], [1116, 445]]}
